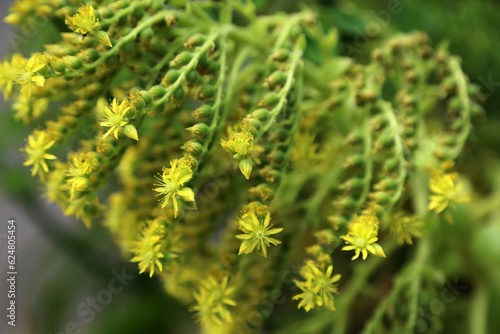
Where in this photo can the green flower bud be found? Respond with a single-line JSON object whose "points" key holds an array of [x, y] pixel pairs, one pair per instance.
{"points": [[355, 137], [138, 12], [476, 110], [355, 161], [192, 77], [212, 67], [58, 64], [246, 167], [381, 198], [130, 131], [384, 141], [200, 129], [147, 34], [73, 62], [277, 157], [275, 79], [90, 55], [355, 183], [103, 38], [195, 40], [207, 91], [181, 59], [121, 4], [170, 19], [391, 165], [280, 55], [192, 147], [205, 111], [171, 76], [146, 97], [157, 91], [387, 184], [269, 100], [255, 123], [261, 114], [178, 95], [378, 122], [450, 141]]}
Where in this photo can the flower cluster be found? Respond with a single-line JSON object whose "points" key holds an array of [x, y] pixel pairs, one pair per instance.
{"points": [[84, 21], [318, 287], [213, 301], [362, 235], [153, 248], [447, 190]]}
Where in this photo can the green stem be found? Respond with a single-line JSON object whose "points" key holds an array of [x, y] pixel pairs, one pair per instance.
{"points": [[191, 65], [479, 310], [463, 94], [123, 40], [398, 152], [295, 59]]}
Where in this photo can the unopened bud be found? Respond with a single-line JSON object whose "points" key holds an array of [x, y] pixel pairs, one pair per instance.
{"points": [[130, 131], [195, 40], [103, 38], [200, 129], [73, 62], [246, 167], [269, 100]]}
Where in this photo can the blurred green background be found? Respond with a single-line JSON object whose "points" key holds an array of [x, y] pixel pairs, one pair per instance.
{"points": [[61, 264]]}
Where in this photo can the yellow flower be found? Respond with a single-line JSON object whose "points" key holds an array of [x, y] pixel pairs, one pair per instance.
{"points": [[171, 183], [84, 21], [7, 78], [38, 144], [447, 191], [212, 301], [362, 235], [154, 248], [27, 71], [404, 227], [239, 143], [257, 234], [318, 287], [115, 117], [78, 173]]}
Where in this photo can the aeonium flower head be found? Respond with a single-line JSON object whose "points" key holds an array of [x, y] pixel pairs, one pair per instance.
{"points": [[115, 117], [172, 181], [318, 287], [27, 71], [36, 150], [213, 301], [362, 235], [447, 190], [240, 143], [84, 21], [257, 233]]}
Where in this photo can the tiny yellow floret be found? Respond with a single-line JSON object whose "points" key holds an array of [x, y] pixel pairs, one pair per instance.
{"points": [[447, 189], [212, 301], [171, 182], [257, 233], [318, 287], [84, 21], [37, 147], [115, 117], [362, 235]]}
